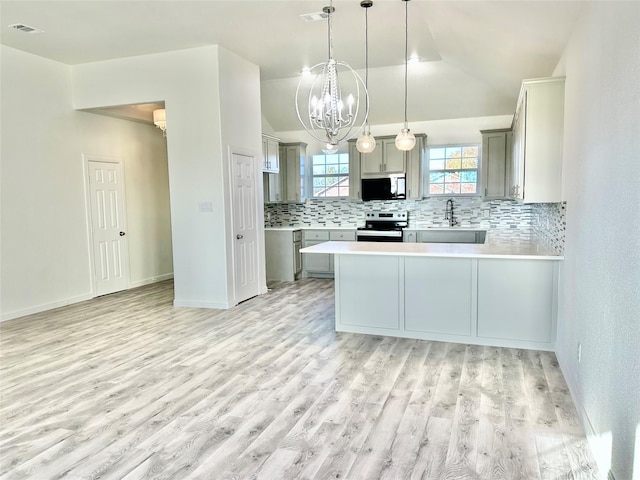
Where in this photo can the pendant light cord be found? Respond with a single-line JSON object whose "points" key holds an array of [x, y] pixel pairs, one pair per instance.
{"points": [[406, 54], [366, 59]]}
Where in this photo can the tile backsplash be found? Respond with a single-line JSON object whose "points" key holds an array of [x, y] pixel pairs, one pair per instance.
{"points": [[505, 218]]}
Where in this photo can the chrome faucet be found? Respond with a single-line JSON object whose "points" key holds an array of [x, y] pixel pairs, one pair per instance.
{"points": [[448, 213]]}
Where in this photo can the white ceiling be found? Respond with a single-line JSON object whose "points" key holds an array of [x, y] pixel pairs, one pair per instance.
{"points": [[476, 52]]}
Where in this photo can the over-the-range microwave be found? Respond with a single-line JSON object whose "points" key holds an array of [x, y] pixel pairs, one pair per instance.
{"points": [[392, 187]]}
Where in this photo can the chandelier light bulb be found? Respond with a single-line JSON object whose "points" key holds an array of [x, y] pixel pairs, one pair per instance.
{"points": [[330, 148]]}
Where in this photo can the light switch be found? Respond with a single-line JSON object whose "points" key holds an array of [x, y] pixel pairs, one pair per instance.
{"points": [[205, 207]]}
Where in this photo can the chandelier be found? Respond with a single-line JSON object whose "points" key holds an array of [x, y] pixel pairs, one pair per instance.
{"points": [[160, 120], [323, 109]]}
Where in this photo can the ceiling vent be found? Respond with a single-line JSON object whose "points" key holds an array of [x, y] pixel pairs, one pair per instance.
{"points": [[25, 28], [314, 17]]}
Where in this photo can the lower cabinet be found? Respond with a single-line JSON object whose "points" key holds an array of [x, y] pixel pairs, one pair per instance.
{"points": [[321, 264], [283, 257]]}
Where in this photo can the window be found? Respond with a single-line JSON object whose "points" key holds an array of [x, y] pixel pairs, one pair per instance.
{"points": [[452, 170], [330, 175]]}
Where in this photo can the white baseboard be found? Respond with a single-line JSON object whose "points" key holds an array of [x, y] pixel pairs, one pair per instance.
{"points": [[150, 280], [597, 442], [45, 307], [197, 304]]}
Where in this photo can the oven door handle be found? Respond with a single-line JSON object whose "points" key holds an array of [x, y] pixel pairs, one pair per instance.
{"points": [[379, 233]]}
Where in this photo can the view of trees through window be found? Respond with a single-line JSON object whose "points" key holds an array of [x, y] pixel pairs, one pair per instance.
{"points": [[330, 175], [453, 170]]}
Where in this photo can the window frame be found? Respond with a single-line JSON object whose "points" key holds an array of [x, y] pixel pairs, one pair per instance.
{"points": [[426, 177], [311, 176]]}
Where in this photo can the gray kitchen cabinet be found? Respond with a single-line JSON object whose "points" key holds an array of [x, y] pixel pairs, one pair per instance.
{"points": [[536, 166], [321, 264], [410, 236], [270, 154], [414, 167], [354, 171], [385, 159], [282, 252], [496, 162], [287, 186]]}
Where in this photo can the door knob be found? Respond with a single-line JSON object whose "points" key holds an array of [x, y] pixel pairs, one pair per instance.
{"points": [[238, 236], [122, 234]]}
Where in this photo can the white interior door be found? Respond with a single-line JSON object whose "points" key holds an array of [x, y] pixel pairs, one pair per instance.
{"points": [[110, 246], [243, 185]]}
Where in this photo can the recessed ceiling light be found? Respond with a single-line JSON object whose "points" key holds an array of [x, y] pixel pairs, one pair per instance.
{"points": [[305, 72], [414, 59], [25, 28]]}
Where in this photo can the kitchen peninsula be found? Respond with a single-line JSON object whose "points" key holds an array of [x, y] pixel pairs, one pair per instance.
{"points": [[497, 293]]}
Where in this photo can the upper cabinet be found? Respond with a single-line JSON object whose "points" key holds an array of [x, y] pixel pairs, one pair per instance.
{"points": [[386, 159], [270, 154], [292, 166], [496, 163], [536, 167]]}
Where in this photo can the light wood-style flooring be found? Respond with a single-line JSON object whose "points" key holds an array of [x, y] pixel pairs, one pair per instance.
{"points": [[128, 387]]}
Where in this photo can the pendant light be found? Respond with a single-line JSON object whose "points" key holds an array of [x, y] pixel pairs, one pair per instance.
{"points": [[405, 139], [319, 98], [366, 143]]}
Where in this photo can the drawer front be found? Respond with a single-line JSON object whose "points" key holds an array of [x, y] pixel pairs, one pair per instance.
{"points": [[344, 236], [316, 235], [297, 236]]}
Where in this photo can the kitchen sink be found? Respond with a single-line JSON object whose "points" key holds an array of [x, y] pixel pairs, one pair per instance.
{"points": [[452, 235]]}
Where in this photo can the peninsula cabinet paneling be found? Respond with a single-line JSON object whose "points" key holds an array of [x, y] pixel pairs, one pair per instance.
{"points": [[282, 252], [439, 295], [496, 163], [517, 299], [536, 167]]}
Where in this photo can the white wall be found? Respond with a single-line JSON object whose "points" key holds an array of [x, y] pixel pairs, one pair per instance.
{"points": [[189, 83], [240, 115], [600, 288], [44, 238]]}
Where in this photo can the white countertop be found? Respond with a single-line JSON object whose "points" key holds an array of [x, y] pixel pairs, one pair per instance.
{"points": [[494, 249]]}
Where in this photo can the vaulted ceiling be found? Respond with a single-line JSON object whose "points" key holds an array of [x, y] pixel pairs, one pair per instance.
{"points": [[475, 53]]}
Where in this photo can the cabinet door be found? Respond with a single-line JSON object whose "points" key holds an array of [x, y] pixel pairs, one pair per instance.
{"points": [[265, 164], [516, 299], [409, 236], [393, 159], [371, 163], [297, 258], [414, 168], [316, 262], [273, 155], [273, 187], [494, 163]]}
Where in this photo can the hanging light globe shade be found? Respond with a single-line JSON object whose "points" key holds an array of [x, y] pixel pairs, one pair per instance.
{"points": [[330, 149], [405, 140], [366, 143]]}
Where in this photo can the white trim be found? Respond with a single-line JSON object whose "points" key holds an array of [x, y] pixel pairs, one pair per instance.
{"points": [[148, 281], [197, 304], [45, 307]]}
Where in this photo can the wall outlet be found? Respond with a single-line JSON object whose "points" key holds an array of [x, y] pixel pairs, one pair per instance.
{"points": [[579, 352], [486, 213]]}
